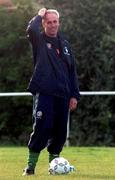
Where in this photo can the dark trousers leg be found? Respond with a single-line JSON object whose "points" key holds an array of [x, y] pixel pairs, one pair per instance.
{"points": [[59, 131], [43, 118]]}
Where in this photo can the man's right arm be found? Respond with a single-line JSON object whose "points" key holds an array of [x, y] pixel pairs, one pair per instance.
{"points": [[33, 29], [34, 26], [33, 32], [33, 35]]}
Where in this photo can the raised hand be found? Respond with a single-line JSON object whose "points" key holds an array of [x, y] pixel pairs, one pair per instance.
{"points": [[42, 12]]}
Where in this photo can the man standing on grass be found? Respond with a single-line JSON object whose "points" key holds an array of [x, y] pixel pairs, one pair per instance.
{"points": [[54, 86]]}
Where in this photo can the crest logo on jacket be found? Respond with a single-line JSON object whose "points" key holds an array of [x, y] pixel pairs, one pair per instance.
{"points": [[49, 46], [39, 114], [66, 51]]}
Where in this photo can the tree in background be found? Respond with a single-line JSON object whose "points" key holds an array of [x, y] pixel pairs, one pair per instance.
{"points": [[90, 28], [8, 4], [15, 70]]}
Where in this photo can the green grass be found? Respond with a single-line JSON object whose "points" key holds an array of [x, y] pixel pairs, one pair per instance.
{"points": [[92, 163]]}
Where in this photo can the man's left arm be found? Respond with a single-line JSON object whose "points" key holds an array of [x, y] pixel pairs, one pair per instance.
{"points": [[75, 95]]}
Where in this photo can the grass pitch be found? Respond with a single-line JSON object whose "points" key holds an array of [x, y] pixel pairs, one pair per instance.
{"points": [[91, 163]]}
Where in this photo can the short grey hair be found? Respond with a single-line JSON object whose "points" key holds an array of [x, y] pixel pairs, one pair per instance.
{"points": [[53, 11]]}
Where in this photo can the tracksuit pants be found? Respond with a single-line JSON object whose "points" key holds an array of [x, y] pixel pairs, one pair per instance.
{"points": [[50, 115]]}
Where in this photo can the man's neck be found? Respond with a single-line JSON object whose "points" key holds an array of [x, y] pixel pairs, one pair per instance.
{"points": [[51, 36]]}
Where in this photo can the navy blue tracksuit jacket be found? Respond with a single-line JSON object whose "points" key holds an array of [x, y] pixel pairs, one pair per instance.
{"points": [[52, 75], [53, 83]]}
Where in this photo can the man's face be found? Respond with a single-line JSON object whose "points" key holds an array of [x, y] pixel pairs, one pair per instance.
{"points": [[51, 24]]}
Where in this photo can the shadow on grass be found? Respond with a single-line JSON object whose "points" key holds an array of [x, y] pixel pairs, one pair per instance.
{"points": [[98, 176]]}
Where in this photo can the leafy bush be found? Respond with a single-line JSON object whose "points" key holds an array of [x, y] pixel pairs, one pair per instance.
{"points": [[89, 26]]}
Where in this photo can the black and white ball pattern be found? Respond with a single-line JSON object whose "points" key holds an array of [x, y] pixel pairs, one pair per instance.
{"points": [[59, 166]]}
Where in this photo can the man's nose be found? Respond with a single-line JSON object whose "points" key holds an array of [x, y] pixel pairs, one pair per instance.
{"points": [[53, 24]]}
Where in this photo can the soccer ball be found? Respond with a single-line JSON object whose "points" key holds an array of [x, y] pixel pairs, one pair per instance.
{"points": [[59, 166]]}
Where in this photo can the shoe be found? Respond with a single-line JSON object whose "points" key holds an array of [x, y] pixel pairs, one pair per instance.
{"points": [[28, 171]]}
